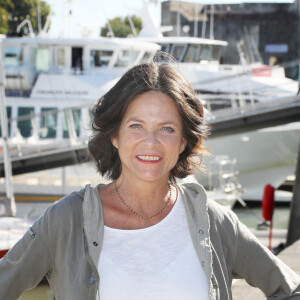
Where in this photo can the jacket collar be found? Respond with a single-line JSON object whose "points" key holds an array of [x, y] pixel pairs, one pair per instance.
{"points": [[196, 208]]}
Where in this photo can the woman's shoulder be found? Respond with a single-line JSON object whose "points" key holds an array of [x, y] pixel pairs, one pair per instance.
{"points": [[196, 195], [66, 208]]}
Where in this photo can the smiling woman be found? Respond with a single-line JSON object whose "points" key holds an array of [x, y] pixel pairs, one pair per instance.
{"points": [[150, 134], [143, 233], [168, 85]]}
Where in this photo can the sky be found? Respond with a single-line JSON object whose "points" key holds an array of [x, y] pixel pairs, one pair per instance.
{"points": [[88, 16]]}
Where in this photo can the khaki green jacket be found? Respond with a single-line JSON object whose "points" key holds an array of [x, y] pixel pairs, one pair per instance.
{"points": [[65, 245]]}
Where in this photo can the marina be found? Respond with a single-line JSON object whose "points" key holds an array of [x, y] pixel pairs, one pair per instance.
{"points": [[51, 84]]}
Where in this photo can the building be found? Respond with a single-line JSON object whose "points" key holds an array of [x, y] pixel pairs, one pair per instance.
{"points": [[266, 32]]}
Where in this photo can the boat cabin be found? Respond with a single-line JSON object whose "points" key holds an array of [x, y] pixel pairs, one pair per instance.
{"points": [[191, 49], [26, 57]]}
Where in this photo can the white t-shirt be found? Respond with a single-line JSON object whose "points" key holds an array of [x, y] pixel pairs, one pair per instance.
{"points": [[158, 262]]}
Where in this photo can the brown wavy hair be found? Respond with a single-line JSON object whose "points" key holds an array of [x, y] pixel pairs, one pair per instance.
{"points": [[110, 109]]}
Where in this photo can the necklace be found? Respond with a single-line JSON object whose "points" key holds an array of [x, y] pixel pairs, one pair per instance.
{"points": [[145, 219]]}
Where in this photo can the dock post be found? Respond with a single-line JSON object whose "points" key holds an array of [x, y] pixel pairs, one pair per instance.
{"points": [[294, 223], [11, 208]]}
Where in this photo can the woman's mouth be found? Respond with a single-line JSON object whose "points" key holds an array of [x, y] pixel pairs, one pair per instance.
{"points": [[149, 158]]}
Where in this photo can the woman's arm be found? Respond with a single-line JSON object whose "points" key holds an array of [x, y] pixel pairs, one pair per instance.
{"points": [[259, 267], [27, 262]]}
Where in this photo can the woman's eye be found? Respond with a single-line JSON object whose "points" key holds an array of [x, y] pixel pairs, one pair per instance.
{"points": [[135, 126], [169, 129]]}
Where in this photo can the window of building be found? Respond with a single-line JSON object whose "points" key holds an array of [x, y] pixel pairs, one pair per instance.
{"points": [[48, 123], [100, 58]]}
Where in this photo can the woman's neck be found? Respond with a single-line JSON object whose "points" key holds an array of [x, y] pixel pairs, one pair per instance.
{"points": [[146, 197]]}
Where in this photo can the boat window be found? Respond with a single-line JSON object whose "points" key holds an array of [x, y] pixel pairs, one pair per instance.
{"points": [[100, 58], [166, 48], [48, 123], [126, 58], [59, 57], [146, 57], [42, 62], [76, 59], [25, 124], [192, 54], [13, 56], [8, 111], [177, 51], [206, 52], [32, 55], [215, 53], [76, 116]]}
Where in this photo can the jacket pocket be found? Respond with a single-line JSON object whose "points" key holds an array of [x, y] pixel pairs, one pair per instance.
{"points": [[21, 248]]}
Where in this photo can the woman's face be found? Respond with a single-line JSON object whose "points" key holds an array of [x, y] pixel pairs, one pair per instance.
{"points": [[150, 138]]}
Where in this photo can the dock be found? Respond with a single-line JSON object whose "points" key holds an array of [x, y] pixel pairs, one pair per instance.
{"points": [[242, 290]]}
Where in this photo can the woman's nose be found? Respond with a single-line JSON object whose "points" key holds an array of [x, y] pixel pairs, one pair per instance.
{"points": [[150, 137]]}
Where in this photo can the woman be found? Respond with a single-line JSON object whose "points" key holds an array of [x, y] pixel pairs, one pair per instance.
{"points": [[143, 236]]}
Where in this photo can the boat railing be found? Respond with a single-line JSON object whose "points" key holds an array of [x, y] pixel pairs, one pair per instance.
{"points": [[69, 128], [230, 105], [48, 131], [222, 175]]}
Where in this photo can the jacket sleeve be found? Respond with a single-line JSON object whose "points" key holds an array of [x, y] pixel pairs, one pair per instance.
{"points": [[260, 268], [27, 262]]}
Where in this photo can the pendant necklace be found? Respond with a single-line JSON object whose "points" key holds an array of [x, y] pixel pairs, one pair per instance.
{"points": [[145, 219]]}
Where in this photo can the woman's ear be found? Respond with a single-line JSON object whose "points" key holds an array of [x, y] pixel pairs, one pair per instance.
{"points": [[182, 145], [114, 141]]}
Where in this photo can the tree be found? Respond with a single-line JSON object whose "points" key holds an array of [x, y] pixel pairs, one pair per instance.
{"points": [[121, 26], [13, 12], [3, 20], [5, 7]]}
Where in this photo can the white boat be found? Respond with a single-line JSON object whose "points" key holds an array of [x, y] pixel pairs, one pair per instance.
{"points": [[263, 156], [55, 68], [200, 61], [220, 181], [45, 75]]}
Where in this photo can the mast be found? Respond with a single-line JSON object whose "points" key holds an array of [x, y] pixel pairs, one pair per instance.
{"points": [[11, 209]]}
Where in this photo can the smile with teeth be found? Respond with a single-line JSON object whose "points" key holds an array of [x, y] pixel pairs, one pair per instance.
{"points": [[149, 158]]}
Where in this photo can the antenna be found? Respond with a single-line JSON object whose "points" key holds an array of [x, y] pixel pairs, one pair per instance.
{"points": [[204, 22], [211, 26], [47, 24], [149, 26], [39, 20], [132, 26], [110, 32], [23, 23]]}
